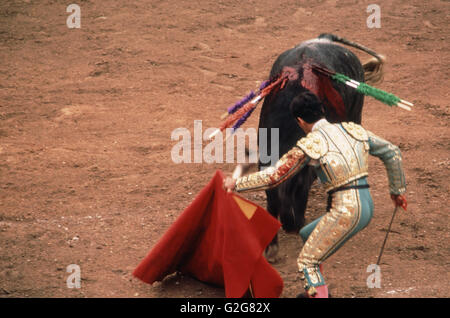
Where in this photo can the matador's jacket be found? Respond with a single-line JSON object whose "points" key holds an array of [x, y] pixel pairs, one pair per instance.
{"points": [[339, 153]]}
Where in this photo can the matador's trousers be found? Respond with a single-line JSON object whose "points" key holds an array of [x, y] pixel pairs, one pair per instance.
{"points": [[351, 211]]}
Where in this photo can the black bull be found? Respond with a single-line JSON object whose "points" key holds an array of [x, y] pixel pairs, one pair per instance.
{"points": [[289, 200]]}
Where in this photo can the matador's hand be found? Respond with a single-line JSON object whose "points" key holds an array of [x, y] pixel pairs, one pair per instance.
{"points": [[399, 200], [229, 184]]}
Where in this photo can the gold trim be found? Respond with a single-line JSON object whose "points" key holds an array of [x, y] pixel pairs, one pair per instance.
{"points": [[356, 131], [314, 145], [312, 291], [290, 163]]}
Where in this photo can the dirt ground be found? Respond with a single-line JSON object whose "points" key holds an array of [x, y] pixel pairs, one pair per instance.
{"points": [[86, 117]]}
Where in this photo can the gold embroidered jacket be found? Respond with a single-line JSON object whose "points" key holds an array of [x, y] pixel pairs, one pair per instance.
{"points": [[339, 152]]}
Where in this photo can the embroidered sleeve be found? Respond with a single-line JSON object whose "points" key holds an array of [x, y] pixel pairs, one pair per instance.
{"points": [[392, 159], [291, 162]]}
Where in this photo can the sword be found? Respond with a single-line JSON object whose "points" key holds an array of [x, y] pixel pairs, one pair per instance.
{"points": [[387, 234]]}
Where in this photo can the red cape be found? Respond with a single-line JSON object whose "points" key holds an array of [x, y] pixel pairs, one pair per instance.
{"points": [[219, 238]]}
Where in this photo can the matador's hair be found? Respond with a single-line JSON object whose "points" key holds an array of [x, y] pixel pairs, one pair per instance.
{"points": [[307, 106]]}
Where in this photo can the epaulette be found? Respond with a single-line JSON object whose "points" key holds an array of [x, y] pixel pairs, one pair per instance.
{"points": [[356, 131], [314, 145]]}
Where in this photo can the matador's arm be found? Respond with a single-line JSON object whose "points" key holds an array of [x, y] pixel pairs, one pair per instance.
{"points": [[291, 162], [392, 159]]}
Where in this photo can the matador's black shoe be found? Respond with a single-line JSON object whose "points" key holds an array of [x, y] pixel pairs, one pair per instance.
{"points": [[305, 295], [316, 292]]}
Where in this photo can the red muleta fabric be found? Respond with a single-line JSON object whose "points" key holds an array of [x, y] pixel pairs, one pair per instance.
{"points": [[217, 242]]}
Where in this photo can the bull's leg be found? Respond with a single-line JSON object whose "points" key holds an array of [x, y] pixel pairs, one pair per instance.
{"points": [[288, 201], [271, 251], [273, 206], [296, 193]]}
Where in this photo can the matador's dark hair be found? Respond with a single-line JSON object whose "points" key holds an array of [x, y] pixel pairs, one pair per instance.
{"points": [[308, 107]]}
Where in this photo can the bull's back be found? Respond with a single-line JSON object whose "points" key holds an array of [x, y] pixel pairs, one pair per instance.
{"points": [[331, 55]]}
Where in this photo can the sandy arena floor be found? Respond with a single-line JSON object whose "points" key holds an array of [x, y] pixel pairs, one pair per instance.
{"points": [[86, 116]]}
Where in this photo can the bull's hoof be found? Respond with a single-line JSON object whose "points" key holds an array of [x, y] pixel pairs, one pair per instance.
{"points": [[271, 253]]}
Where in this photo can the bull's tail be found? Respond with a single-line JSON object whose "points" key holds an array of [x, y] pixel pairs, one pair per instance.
{"points": [[373, 69]]}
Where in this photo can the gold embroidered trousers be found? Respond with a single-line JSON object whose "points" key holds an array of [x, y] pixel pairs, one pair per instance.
{"points": [[351, 211]]}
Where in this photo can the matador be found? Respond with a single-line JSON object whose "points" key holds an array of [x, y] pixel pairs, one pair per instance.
{"points": [[339, 154]]}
